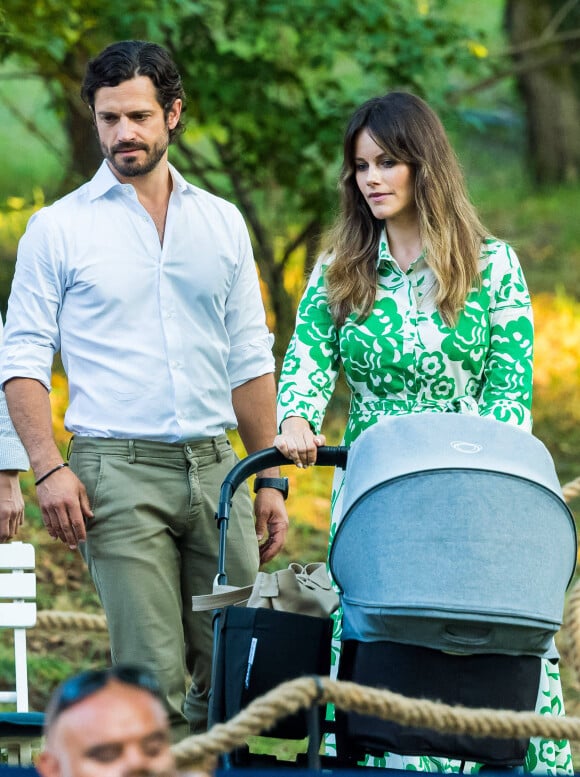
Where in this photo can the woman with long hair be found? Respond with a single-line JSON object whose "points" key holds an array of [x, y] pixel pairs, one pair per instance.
{"points": [[423, 310]]}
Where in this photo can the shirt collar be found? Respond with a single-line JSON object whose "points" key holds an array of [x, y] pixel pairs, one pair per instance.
{"points": [[179, 182], [384, 252], [385, 255], [104, 181]]}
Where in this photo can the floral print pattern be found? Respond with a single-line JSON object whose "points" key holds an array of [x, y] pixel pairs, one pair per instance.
{"points": [[403, 358]]}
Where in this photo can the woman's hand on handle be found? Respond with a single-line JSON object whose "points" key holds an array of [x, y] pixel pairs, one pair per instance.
{"points": [[298, 442]]}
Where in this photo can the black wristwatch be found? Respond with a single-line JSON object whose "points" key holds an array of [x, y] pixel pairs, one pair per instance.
{"points": [[280, 484]]}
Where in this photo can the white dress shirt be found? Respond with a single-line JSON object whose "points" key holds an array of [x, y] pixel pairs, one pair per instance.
{"points": [[153, 338], [12, 453]]}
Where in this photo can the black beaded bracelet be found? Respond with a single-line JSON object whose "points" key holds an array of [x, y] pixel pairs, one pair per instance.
{"points": [[50, 472]]}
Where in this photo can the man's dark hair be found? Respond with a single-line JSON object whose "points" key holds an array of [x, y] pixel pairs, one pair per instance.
{"points": [[128, 59]]}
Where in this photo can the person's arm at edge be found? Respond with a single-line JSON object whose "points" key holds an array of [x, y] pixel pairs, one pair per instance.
{"points": [[13, 460], [11, 504], [254, 404], [62, 497]]}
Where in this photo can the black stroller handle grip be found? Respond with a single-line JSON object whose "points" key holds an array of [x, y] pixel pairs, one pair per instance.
{"points": [[326, 456]]}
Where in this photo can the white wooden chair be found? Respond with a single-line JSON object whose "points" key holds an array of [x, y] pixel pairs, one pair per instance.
{"points": [[19, 730]]}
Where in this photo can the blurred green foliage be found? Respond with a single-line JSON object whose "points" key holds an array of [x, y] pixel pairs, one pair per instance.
{"points": [[270, 85]]}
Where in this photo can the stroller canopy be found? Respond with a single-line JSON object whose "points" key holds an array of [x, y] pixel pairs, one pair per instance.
{"points": [[454, 535]]}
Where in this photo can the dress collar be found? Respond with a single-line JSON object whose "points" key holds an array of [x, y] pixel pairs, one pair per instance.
{"points": [[385, 256]]}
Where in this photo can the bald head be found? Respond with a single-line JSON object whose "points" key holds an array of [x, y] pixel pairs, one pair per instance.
{"points": [[120, 730]]}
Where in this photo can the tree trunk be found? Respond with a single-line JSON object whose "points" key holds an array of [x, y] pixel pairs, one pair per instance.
{"points": [[283, 308], [548, 84], [86, 154]]}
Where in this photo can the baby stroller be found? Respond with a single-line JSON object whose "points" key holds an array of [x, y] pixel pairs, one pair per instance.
{"points": [[452, 556], [477, 548]]}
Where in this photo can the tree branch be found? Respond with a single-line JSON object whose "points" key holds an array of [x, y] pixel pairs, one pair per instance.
{"points": [[16, 76], [559, 17], [249, 210], [201, 172], [306, 234], [33, 129], [537, 43], [522, 68]]}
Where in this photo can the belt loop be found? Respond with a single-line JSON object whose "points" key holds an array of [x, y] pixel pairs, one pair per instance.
{"points": [[132, 457], [69, 447], [216, 450]]}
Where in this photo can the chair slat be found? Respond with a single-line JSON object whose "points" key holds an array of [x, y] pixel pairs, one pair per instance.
{"points": [[17, 555], [18, 585], [17, 615]]}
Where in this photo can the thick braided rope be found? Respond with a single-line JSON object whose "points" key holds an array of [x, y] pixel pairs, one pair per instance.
{"points": [[53, 619], [570, 632], [294, 695]]}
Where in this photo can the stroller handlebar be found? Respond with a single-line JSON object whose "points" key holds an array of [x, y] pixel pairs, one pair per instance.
{"points": [[326, 456]]}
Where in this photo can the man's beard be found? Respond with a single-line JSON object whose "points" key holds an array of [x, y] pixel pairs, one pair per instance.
{"points": [[130, 167]]}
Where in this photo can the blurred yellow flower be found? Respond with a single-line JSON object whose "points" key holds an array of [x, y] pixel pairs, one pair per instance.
{"points": [[478, 49], [15, 203], [59, 404], [557, 349]]}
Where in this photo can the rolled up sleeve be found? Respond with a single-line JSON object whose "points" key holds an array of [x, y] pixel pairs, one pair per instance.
{"points": [[12, 453], [31, 336]]}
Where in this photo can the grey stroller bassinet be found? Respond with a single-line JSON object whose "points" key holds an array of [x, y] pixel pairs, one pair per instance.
{"points": [[453, 555], [454, 535]]}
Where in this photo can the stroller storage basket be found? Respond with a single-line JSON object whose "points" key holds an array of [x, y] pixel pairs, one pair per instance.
{"points": [[454, 536], [257, 650]]}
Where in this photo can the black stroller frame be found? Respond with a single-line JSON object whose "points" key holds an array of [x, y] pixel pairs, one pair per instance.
{"points": [[335, 456]]}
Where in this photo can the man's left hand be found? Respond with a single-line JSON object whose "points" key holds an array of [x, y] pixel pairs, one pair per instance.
{"points": [[271, 522]]}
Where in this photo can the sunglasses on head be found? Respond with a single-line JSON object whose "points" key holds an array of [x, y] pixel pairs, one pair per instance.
{"points": [[81, 686]]}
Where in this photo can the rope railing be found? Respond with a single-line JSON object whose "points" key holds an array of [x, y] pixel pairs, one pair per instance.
{"points": [[294, 695], [48, 620]]}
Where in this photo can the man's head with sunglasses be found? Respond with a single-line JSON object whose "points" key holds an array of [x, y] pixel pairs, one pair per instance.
{"points": [[107, 723]]}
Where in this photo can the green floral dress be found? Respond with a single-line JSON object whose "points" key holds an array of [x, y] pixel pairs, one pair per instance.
{"points": [[404, 359]]}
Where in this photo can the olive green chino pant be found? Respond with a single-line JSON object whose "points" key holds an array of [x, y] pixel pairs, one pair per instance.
{"points": [[153, 544]]}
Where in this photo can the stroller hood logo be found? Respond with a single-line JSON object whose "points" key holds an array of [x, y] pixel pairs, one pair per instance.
{"points": [[466, 447]]}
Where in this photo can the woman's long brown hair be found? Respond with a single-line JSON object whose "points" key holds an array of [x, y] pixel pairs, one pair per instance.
{"points": [[451, 232]]}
